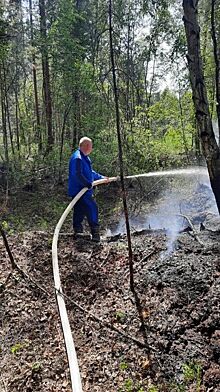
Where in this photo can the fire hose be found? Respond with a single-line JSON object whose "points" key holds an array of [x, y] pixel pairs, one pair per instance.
{"points": [[69, 343]]}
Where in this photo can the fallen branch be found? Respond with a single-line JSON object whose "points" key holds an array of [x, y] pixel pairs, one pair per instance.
{"points": [[104, 323], [148, 256], [14, 264], [193, 229], [7, 247]]}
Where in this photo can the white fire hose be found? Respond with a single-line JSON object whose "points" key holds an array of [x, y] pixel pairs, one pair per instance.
{"points": [[69, 343]]}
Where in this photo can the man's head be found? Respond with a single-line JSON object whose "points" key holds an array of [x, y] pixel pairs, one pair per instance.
{"points": [[85, 145]]}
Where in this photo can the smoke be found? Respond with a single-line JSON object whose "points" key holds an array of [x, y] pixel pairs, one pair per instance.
{"points": [[188, 195], [167, 218]]}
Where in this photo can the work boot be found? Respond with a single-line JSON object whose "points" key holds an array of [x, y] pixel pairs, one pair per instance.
{"points": [[95, 234], [78, 232]]}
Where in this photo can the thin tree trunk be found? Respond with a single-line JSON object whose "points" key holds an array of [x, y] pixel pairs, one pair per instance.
{"points": [[135, 94], [7, 111], [182, 122], [76, 125], [9, 124], [65, 117], [183, 130], [209, 145], [46, 76], [34, 72], [128, 111], [4, 125], [146, 69], [120, 148], [152, 82], [17, 121]]}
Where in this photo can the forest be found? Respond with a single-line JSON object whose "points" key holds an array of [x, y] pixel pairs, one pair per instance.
{"points": [[142, 80], [56, 84]]}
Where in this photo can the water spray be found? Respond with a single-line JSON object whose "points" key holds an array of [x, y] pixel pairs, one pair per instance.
{"points": [[164, 173]]}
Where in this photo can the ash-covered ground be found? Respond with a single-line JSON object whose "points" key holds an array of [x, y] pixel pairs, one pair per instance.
{"points": [[179, 299]]}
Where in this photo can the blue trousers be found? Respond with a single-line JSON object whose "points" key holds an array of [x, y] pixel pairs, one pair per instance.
{"points": [[85, 207]]}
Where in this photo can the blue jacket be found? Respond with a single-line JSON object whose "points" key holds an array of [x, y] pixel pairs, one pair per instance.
{"points": [[81, 174]]}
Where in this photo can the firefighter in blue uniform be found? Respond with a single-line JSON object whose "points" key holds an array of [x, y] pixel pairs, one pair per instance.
{"points": [[82, 175]]}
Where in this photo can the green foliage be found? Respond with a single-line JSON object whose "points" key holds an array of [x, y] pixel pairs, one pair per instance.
{"points": [[65, 46], [16, 348], [43, 223], [174, 387], [192, 372], [4, 225], [188, 373], [4, 38], [120, 317], [152, 388], [36, 367], [192, 377], [128, 385], [159, 137], [105, 153], [123, 366]]}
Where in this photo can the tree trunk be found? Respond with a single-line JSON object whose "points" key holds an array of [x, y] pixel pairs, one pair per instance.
{"points": [[128, 75], [182, 120], [39, 138], [46, 75], [209, 145], [4, 124], [7, 111], [17, 121], [120, 153], [217, 62], [65, 117], [76, 119], [152, 81]]}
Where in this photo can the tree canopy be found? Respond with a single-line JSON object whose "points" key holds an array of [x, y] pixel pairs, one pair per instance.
{"points": [[56, 83]]}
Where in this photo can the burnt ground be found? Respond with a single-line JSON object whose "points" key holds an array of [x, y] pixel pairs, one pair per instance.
{"points": [[170, 338], [179, 297]]}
